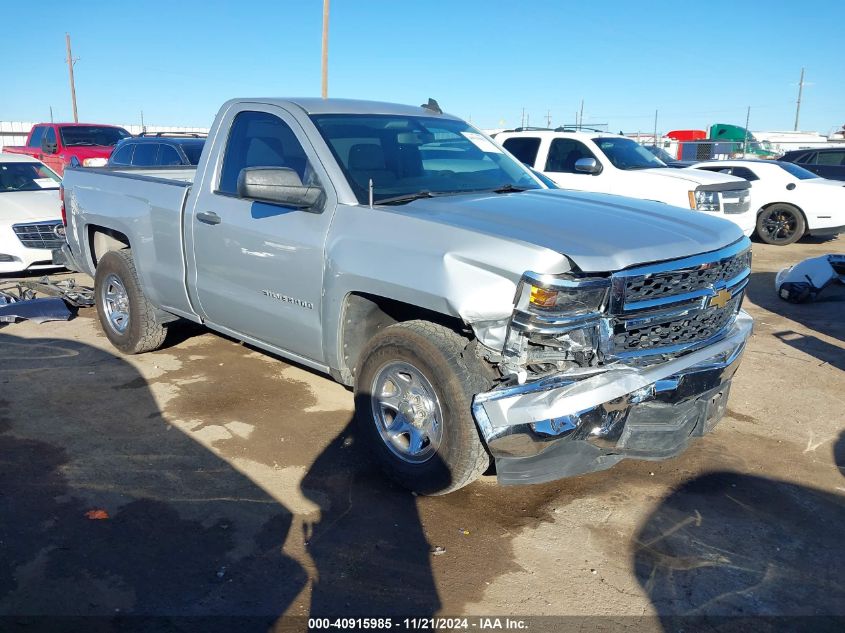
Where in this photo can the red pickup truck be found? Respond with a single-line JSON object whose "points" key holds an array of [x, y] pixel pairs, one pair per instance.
{"points": [[61, 144]]}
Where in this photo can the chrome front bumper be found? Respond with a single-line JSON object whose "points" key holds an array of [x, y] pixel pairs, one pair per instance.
{"points": [[565, 426]]}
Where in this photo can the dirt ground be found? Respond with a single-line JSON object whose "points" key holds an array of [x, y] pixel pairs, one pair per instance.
{"points": [[211, 479]]}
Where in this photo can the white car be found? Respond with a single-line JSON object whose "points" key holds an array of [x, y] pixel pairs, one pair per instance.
{"points": [[788, 201], [30, 214], [609, 163]]}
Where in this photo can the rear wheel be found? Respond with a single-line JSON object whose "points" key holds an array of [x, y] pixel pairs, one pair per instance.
{"points": [[413, 397], [780, 224], [126, 315]]}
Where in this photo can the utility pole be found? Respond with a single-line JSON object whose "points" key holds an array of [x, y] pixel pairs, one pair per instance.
{"points": [[655, 128], [143, 127], [548, 118], [51, 114], [70, 62], [798, 105], [325, 49], [745, 143], [581, 116]]}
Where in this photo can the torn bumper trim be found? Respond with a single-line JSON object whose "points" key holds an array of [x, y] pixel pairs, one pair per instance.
{"points": [[553, 429]]}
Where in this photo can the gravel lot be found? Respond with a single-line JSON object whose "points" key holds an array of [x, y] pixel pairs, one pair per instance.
{"points": [[233, 484]]}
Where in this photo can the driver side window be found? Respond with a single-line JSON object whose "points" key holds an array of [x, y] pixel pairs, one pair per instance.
{"points": [[49, 137], [563, 153], [260, 139]]}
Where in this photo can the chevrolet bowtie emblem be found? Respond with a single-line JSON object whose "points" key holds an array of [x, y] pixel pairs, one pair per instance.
{"points": [[721, 298]]}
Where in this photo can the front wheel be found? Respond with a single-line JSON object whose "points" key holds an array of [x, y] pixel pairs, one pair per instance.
{"points": [[780, 224], [126, 315], [413, 396]]}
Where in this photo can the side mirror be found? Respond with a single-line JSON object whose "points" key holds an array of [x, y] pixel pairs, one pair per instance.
{"points": [[587, 166], [47, 147], [279, 185]]}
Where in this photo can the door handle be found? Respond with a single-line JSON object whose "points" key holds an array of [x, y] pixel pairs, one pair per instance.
{"points": [[208, 217]]}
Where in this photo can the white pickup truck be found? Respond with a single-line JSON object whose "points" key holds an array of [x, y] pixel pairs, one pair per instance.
{"points": [[477, 313], [609, 163]]}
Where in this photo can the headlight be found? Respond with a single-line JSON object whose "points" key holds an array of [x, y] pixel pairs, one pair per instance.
{"points": [[564, 295], [94, 162], [705, 200], [558, 323]]}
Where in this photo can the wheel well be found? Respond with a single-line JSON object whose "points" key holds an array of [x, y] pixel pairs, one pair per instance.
{"points": [[786, 204], [365, 314], [101, 240]]}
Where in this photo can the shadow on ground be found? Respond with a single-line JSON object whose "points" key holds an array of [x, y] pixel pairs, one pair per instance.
{"points": [[727, 552], [122, 517], [369, 547]]}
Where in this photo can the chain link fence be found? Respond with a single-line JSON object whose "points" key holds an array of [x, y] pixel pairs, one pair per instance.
{"points": [[709, 149]]}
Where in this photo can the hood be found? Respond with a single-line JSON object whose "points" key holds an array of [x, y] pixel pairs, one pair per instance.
{"points": [[28, 206], [696, 176], [599, 232]]}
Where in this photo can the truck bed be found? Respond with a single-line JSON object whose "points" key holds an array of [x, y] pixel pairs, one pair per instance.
{"points": [[180, 173], [147, 203]]}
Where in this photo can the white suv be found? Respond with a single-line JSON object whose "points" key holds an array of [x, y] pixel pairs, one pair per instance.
{"points": [[609, 163]]}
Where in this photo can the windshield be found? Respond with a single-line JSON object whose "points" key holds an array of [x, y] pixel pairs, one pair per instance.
{"points": [[627, 154], [92, 135], [799, 172], [404, 155], [661, 153], [27, 177], [193, 150]]}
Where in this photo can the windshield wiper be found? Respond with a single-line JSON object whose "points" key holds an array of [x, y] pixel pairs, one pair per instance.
{"points": [[408, 197], [508, 188]]}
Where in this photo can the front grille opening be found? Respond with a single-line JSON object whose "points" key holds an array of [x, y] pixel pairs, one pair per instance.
{"points": [[676, 282], [692, 329], [43, 235]]}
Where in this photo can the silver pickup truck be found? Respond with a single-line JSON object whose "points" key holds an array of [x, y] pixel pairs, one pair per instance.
{"points": [[476, 313]]}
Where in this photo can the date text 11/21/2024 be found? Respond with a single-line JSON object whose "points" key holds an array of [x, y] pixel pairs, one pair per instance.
{"points": [[420, 624]]}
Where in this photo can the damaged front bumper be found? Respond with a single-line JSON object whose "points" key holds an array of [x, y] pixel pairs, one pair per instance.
{"points": [[564, 426]]}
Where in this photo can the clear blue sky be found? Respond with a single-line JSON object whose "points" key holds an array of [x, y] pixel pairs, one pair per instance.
{"points": [[696, 62]]}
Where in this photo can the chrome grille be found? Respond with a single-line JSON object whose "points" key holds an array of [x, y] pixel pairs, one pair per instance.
{"points": [[668, 308], [47, 235], [734, 202], [698, 326], [684, 280]]}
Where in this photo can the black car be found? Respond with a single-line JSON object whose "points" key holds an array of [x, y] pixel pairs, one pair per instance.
{"points": [[827, 162], [159, 149]]}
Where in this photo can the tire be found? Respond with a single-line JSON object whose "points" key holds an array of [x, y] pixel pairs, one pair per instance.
{"points": [[434, 363], [126, 315], [780, 224]]}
